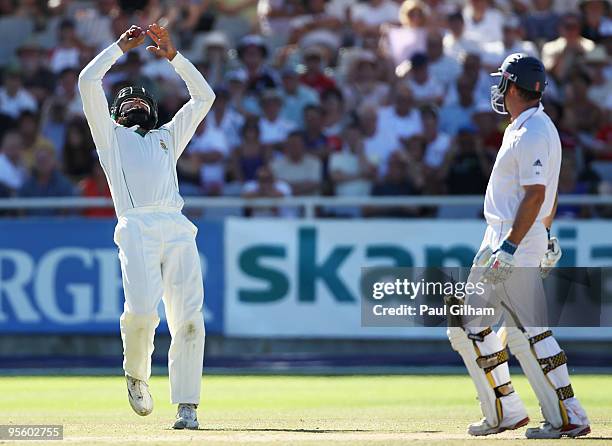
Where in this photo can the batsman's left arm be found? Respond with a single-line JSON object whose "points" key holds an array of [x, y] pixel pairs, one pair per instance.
{"points": [[186, 120]]}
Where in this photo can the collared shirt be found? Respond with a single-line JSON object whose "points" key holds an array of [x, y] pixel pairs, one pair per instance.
{"points": [[530, 154], [141, 170]]}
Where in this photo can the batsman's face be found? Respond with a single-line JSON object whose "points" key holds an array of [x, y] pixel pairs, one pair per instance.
{"points": [[134, 104]]}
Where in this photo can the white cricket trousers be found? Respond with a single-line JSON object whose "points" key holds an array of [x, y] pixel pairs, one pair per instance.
{"points": [[160, 260]]}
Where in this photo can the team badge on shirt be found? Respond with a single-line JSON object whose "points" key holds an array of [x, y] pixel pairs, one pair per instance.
{"points": [[537, 167], [163, 146]]}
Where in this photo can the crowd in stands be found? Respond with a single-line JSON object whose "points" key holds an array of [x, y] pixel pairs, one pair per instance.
{"points": [[314, 97]]}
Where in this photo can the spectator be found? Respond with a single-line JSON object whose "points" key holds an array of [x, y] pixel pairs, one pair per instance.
{"points": [[378, 146], [437, 143], [456, 44], [401, 120], [314, 138], [362, 87], [12, 172], [236, 18], [466, 166], [46, 180], [250, 155], [96, 186], [301, 170], [94, 24], [442, 68], [316, 27], [273, 128], [600, 88], [67, 92], [334, 113], [459, 115], [54, 121], [252, 52], [487, 123], [241, 101], [374, 59], [28, 127], [409, 38], [296, 97], [314, 76], [425, 88], [67, 52], [78, 152], [569, 185], [266, 186], [560, 55], [210, 149], [542, 22], [496, 51], [371, 14], [33, 70], [224, 118], [596, 19], [413, 153], [213, 47], [275, 17], [14, 99], [350, 170], [473, 71], [483, 23], [395, 182]]}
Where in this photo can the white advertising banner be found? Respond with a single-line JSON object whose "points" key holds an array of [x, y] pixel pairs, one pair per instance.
{"points": [[300, 278]]}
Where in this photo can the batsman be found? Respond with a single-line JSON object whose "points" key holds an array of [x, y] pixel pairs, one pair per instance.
{"points": [[157, 249], [516, 252]]}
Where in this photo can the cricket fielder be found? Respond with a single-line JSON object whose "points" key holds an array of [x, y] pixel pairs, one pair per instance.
{"points": [[157, 249], [515, 254]]}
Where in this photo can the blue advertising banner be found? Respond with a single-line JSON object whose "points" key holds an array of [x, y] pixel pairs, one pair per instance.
{"points": [[63, 276]]}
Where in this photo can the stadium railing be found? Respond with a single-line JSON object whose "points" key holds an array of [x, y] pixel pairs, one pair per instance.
{"points": [[308, 204]]}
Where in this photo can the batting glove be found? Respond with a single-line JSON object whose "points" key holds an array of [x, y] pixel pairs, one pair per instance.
{"points": [[499, 267], [482, 257], [551, 257]]}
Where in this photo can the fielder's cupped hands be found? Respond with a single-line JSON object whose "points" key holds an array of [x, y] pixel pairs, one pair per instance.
{"points": [[132, 38], [161, 37]]}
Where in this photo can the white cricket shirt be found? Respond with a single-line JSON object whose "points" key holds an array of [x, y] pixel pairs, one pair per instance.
{"points": [[530, 154], [141, 170]]}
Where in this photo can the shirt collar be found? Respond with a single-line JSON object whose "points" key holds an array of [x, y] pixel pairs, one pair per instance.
{"points": [[523, 117]]}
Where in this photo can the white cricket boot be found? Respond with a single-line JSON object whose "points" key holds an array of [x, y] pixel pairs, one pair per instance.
{"points": [[186, 417], [139, 396], [547, 431], [482, 427]]}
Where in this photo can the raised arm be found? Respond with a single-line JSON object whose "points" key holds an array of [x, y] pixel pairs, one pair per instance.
{"points": [[186, 120], [95, 105]]}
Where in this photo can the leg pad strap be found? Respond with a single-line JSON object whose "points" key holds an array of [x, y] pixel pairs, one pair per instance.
{"points": [[504, 390], [552, 362], [565, 392], [480, 335], [540, 337], [489, 362]]}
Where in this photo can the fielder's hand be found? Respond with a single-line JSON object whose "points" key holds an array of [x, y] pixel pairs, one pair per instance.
{"points": [[132, 38], [499, 266], [551, 257], [161, 37]]}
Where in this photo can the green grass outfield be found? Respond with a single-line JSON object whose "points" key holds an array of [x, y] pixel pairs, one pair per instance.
{"points": [[287, 410]]}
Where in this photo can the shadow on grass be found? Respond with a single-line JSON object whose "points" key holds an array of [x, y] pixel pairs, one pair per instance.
{"points": [[306, 431]]}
